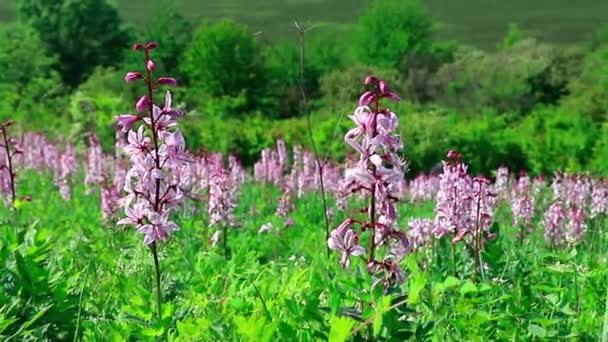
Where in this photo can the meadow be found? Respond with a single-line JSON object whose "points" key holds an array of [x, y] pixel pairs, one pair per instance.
{"points": [[167, 178]]}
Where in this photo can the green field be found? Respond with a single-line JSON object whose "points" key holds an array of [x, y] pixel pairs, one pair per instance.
{"points": [[477, 22]]}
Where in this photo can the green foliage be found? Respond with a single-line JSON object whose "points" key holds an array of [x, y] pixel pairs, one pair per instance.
{"points": [[68, 276], [388, 30], [589, 91], [553, 140], [515, 79], [95, 104], [333, 87], [82, 34], [224, 60], [29, 86], [514, 36]]}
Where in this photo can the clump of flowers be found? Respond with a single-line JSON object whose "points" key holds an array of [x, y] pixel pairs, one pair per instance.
{"points": [[464, 209], [222, 202], [553, 222], [522, 206], [375, 176], [156, 149]]}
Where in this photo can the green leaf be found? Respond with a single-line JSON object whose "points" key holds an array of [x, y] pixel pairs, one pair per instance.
{"points": [[537, 331], [468, 287], [340, 328], [383, 307]]}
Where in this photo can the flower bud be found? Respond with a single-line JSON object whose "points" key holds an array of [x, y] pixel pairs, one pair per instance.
{"points": [[151, 45], [167, 80], [150, 65], [370, 80], [132, 76], [8, 123], [142, 104], [137, 47], [367, 98]]}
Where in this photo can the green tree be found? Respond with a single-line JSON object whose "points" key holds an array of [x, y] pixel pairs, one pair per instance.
{"points": [[83, 34], [28, 82], [224, 60], [389, 30]]}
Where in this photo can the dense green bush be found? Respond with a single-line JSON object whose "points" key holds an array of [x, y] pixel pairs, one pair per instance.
{"points": [[589, 91], [513, 79], [83, 34], [225, 60], [554, 139], [390, 29]]}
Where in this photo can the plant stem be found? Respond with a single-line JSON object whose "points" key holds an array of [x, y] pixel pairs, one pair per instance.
{"points": [[225, 240], [10, 167], [302, 32], [157, 279]]}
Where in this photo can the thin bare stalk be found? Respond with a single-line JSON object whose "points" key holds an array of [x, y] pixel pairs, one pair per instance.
{"points": [[320, 164]]}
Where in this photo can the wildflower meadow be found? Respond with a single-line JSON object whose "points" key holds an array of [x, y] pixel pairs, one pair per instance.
{"points": [[371, 215]]}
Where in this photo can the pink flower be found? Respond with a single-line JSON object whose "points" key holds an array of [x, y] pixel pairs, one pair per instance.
{"points": [[158, 228], [167, 109], [138, 143], [126, 121], [135, 214], [345, 240]]}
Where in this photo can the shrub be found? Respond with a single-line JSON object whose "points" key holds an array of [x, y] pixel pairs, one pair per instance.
{"points": [[511, 80]]}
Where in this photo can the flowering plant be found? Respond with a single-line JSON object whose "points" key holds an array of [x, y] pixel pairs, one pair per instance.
{"points": [[376, 176], [157, 181]]}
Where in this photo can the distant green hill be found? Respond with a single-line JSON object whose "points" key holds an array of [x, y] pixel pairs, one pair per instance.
{"points": [[476, 22]]}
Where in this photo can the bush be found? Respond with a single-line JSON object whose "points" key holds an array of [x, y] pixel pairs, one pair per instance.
{"points": [[343, 87], [589, 91], [554, 139], [82, 33], [225, 60], [511, 80], [390, 29], [322, 54]]}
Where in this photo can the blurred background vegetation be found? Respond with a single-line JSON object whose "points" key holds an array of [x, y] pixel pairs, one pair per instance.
{"points": [[518, 83]]}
